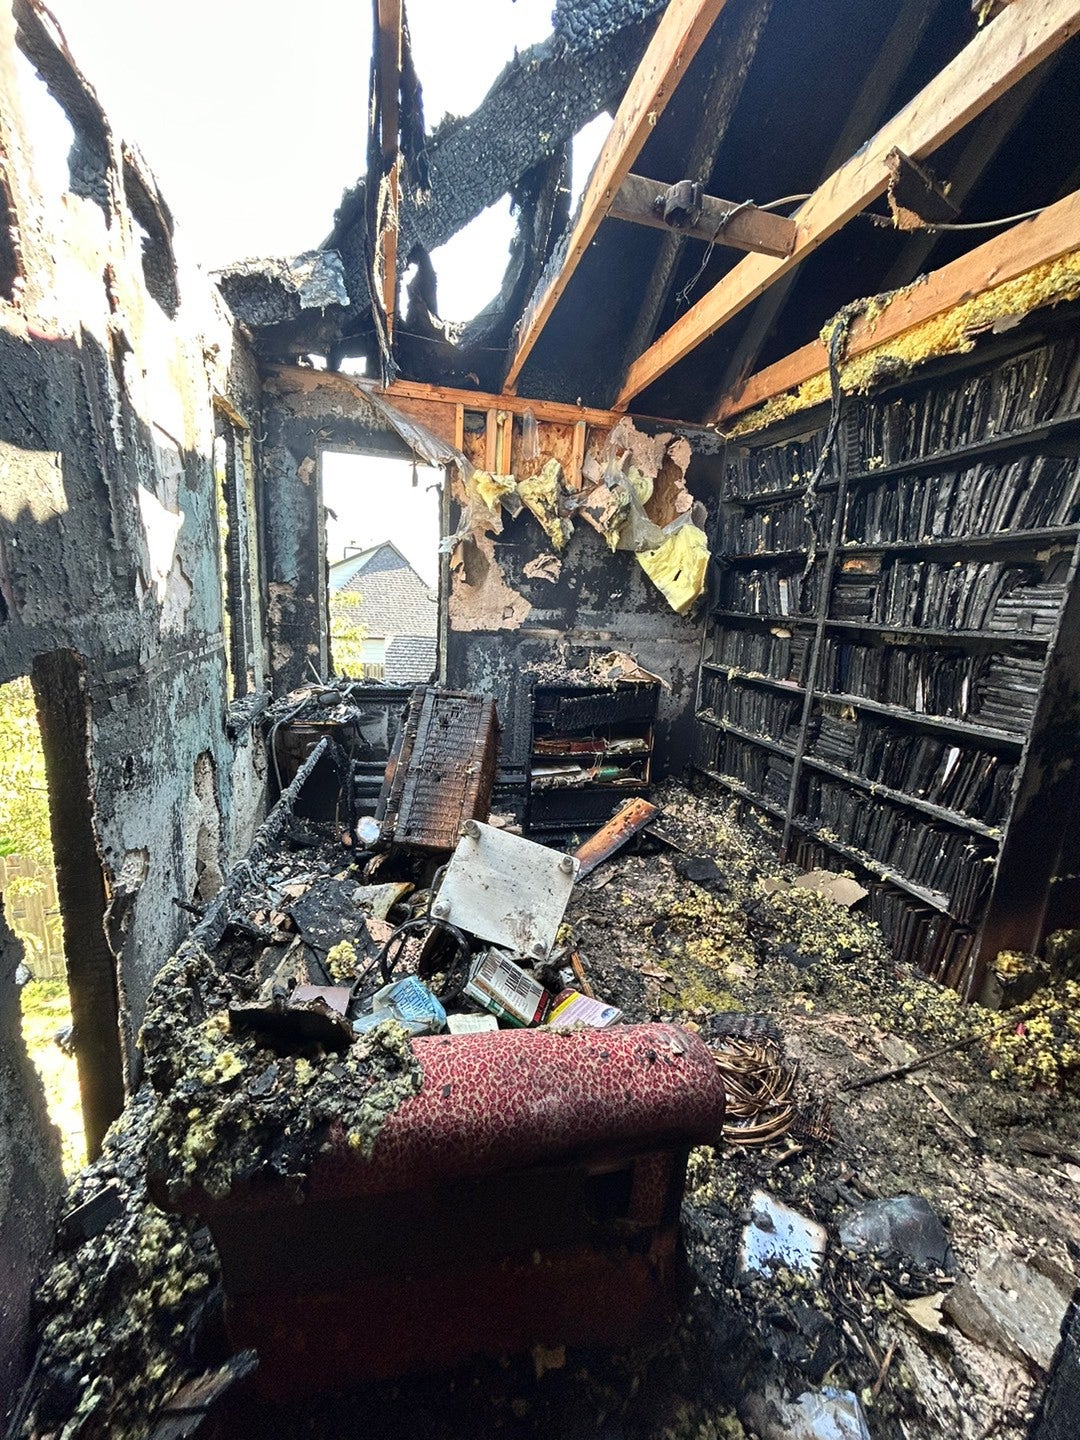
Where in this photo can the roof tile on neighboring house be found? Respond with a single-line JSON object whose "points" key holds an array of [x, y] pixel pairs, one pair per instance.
{"points": [[394, 600], [410, 659]]}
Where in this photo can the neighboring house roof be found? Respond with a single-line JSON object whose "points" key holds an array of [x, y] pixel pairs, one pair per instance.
{"points": [[410, 658], [394, 600]]}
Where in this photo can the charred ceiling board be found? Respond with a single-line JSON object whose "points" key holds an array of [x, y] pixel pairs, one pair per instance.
{"points": [[1033, 242], [684, 26], [735, 44], [871, 104], [538, 103], [999, 56]]}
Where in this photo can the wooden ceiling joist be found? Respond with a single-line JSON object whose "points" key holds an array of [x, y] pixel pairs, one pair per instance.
{"points": [[720, 222], [1013, 253], [1000, 55], [389, 15], [675, 42]]}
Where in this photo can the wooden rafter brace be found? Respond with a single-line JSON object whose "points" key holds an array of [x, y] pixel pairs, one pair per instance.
{"points": [[676, 40], [389, 17], [999, 56], [1008, 256], [684, 208]]}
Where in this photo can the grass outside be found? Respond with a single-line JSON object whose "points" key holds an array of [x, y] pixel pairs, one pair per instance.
{"points": [[46, 1009]]}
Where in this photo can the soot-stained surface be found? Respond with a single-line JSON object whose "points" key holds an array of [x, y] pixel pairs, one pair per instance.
{"points": [[988, 1134]]}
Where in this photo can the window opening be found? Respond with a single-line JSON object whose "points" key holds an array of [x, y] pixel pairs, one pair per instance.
{"points": [[382, 552], [238, 555]]}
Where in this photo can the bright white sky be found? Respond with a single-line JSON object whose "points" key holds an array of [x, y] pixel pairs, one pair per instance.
{"points": [[252, 115]]}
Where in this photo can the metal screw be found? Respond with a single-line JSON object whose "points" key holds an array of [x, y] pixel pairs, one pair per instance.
{"points": [[471, 829], [566, 864], [441, 909]]}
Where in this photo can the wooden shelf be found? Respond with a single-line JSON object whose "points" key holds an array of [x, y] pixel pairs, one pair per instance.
{"points": [[982, 734], [916, 634], [1058, 426], [792, 687], [1063, 535], [968, 729], [900, 797], [745, 793], [764, 741], [934, 898]]}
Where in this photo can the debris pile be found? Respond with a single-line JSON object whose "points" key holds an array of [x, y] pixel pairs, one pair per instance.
{"points": [[894, 1170]]}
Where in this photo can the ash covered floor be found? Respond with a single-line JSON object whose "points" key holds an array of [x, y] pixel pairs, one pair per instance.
{"points": [[954, 1341]]}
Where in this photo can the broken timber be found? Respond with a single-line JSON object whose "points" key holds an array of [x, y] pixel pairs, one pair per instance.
{"points": [[1007, 256], [676, 41], [998, 57], [388, 62], [720, 222]]}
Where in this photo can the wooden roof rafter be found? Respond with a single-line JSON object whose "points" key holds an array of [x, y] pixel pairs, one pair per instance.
{"points": [[999, 55], [1008, 256], [389, 17], [676, 40]]}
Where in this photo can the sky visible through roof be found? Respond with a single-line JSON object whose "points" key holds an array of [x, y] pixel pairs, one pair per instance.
{"points": [[252, 115]]}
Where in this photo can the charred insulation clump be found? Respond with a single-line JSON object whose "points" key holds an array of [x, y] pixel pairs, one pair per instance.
{"points": [[232, 1106], [121, 1314]]}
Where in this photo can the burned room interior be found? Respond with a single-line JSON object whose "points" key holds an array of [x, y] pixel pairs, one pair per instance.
{"points": [[661, 1016]]}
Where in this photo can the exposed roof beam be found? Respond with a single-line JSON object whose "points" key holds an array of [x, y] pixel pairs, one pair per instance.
{"points": [[1007, 256], [734, 46], [675, 42], [1000, 55], [868, 109], [389, 18], [720, 222]]}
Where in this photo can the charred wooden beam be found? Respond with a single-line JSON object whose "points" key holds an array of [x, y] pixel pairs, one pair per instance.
{"points": [[685, 209], [676, 41], [1007, 256], [388, 88], [999, 56]]}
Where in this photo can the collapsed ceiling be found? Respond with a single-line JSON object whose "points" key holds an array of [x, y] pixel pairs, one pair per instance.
{"points": [[776, 97]]}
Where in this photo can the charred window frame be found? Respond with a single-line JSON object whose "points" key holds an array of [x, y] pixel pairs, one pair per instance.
{"points": [[238, 551]]}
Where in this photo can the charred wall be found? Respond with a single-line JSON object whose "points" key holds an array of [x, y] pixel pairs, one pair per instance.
{"points": [[110, 575], [501, 616]]}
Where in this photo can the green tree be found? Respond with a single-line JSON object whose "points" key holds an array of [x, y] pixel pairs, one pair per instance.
{"points": [[24, 794], [346, 633]]}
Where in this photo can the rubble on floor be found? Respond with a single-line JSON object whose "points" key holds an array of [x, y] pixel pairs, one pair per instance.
{"points": [[925, 1159]]}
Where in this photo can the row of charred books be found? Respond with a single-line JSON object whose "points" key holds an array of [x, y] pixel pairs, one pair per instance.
{"points": [[962, 777], [996, 691], [784, 525], [986, 595], [936, 857], [1027, 390], [917, 934], [1039, 385], [1033, 493], [976, 595]]}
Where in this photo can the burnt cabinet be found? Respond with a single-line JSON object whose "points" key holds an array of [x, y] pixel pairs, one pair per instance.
{"points": [[591, 749]]}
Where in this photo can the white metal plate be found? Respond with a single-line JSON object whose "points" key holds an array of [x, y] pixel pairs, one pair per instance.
{"points": [[510, 891]]}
